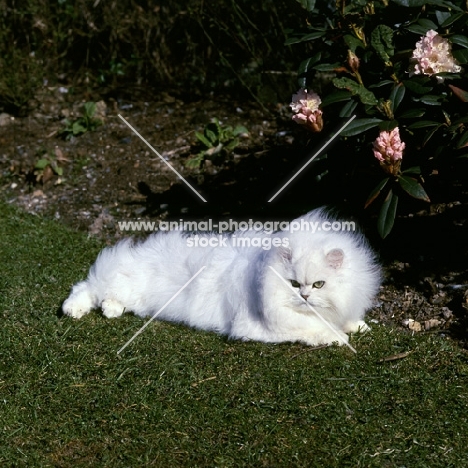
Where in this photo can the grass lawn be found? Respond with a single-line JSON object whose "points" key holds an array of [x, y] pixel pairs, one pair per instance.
{"points": [[182, 397]]}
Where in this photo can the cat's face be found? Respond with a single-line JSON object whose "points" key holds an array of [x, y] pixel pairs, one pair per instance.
{"points": [[315, 278]]}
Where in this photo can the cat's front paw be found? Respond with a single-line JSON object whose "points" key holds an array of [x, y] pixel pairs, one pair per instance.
{"points": [[356, 327], [112, 309], [76, 306]]}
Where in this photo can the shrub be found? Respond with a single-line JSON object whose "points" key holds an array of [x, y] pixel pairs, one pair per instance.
{"points": [[399, 66]]}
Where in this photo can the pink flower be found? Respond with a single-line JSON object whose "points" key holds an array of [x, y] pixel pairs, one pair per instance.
{"points": [[305, 106], [433, 55], [388, 149]]}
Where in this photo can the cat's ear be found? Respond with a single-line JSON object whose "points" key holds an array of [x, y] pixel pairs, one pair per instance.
{"points": [[285, 254], [335, 258]]}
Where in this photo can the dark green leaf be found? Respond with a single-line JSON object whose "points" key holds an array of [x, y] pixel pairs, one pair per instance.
{"points": [[424, 124], [375, 193], [348, 109], [416, 86], [442, 16], [413, 187], [327, 66], [337, 96], [396, 96], [412, 113], [353, 42], [382, 41], [459, 40], [366, 96], [388, 125], [430, 100], [387, 214], [417, 29], [427, 23], [382, 83], [463, 141], [308, 5], [305, 67], [304, 37], [461, 56], [358, 126], [412, 170], [451, 19]]}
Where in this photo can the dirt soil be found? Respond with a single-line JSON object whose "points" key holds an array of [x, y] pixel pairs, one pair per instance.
{"points": [[109, 175]]}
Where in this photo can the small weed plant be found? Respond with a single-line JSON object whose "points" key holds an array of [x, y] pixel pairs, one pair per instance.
{"points": [[216, 141]]}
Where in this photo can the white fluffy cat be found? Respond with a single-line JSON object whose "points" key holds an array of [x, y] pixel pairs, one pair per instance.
{"points": [[310, 287]]}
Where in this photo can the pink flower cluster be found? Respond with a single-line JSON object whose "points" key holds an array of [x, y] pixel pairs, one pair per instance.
{"points": [[388, 149], [433, 55], [305, 106]]}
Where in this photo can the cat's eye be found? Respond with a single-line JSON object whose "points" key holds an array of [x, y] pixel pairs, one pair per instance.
{"points": [[295, 284], [318, 284]]}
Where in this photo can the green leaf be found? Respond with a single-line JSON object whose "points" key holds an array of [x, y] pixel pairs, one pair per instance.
{"points": [[297, 38], [382, 41], [451, 19], [203, 139], [348, 109], [358, 126], [382, 83], [89, 109], [412, 170], [376, 192], [337, 96], [461, 56], [42, 164], [463, 141], [327, 66], [459, 40], [430, 100], [413, 187], [195, 162], [387, 214], [417, 86], [388, 125], [308, 5], [412, 113], [442, 16], [306, 66], [396, 96], [353, 42], [424, 124], [211, 135], [366, 96], [78, 128], [239, 130]]}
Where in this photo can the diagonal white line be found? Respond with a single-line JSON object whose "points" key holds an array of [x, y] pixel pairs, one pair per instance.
{"points": [[161, 309], [328, 324], [312, 158], [162, 159]]}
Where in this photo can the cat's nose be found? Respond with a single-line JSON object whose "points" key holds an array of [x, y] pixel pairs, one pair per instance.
{"points": [[305, 296]]}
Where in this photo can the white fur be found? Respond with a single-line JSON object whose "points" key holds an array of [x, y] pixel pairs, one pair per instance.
{"points": [[238, 293]]}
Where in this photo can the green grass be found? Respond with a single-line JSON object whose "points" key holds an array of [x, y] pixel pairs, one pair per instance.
{"points": [[181, 397]]}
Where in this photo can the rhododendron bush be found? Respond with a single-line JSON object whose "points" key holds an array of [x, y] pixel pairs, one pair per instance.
{"points": [[400, 68]]}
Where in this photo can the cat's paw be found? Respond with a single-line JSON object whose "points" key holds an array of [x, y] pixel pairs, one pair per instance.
{"points": [[111, 308], [77, 305], [356, 327]]}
